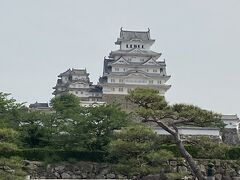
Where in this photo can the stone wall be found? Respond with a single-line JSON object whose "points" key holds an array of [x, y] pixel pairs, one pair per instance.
{"points": [[66, 170], [225, 170], [231, 136], [119, 99]]}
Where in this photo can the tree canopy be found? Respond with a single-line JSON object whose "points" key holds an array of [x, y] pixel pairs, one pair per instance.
{"points": [[137, 152], [154, 108]]}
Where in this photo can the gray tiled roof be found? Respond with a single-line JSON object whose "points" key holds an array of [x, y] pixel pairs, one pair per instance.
{"points": [[128, 35], [39, 105], [73, 71], [129, 52], [230, 117]]}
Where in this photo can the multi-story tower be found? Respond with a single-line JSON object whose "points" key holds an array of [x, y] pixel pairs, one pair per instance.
{"points": [[77, 82], [133, 65]]}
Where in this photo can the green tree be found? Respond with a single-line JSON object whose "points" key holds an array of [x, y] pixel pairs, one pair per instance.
{"points": [[10, 111], [67, 105], [89, 128], [154, 108], [99, 125], [137, 151], [33, 130], [208, 148]]}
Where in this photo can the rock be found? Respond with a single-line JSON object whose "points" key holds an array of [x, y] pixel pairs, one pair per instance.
{"points": [[121, 176], [217, 162], [227, 177], [104, 171], [182, 169], [111, 176], [59, 168], [100, 176], [57, 175], [173, 163], [202, 168], [218, 177], [66, 175], [154, 177], [84, 175], [10, 170]]}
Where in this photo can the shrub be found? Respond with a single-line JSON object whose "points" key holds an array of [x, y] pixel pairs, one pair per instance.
{"points": [[7, 147], [233, 153]]}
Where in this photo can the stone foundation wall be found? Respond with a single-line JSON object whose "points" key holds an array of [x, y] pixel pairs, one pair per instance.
{"points": [[119, 99], [225, 170], [230, 136]]}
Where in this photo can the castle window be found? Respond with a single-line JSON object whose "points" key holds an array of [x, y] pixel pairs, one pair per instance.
{"points": [[161, 70], [120, 89], [127, 46], [159, 82], [113, 89], [142, 46], [147, 70], [135, 45], [81, 92], [121, 80], [138, 46], [150, 81], [113, 80], [76, 92], [130, 45], [154, 70], [116, 69]]}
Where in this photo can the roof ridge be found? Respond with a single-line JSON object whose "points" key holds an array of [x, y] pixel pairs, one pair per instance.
{"points": [[135, 31]]}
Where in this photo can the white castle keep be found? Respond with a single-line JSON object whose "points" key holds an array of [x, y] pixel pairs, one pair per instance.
{"points": [[133, 65]]}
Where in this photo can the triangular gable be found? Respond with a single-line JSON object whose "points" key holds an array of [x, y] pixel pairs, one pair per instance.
{"points": [[121, 61], [151, 62], [138, 75], [136, 50]]}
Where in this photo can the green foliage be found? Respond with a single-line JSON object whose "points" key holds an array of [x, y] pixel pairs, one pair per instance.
{"points": [[7, 147], [8, 138], [153, 106], [99, 125], [67, 105], [32, 129], [234, 153], [197, 116], [8, 135], [11, 169], [10, 111], [136, 152], [204, 147]]}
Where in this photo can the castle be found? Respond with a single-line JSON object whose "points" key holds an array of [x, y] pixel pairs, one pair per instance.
{"points": [[133, 65]]}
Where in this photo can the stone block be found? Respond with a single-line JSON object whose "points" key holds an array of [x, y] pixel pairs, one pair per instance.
{"points": [[218, 176], [111, 176], [66, 175]]}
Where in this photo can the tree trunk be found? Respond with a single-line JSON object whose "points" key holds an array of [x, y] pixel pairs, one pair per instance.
{"points": [[195, 170]]}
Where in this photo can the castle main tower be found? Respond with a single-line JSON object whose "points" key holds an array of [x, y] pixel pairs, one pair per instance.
{"points": [[133, 65]]}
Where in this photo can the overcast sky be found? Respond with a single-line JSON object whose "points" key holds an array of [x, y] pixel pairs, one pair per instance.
{"points": [[200, 41]]}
